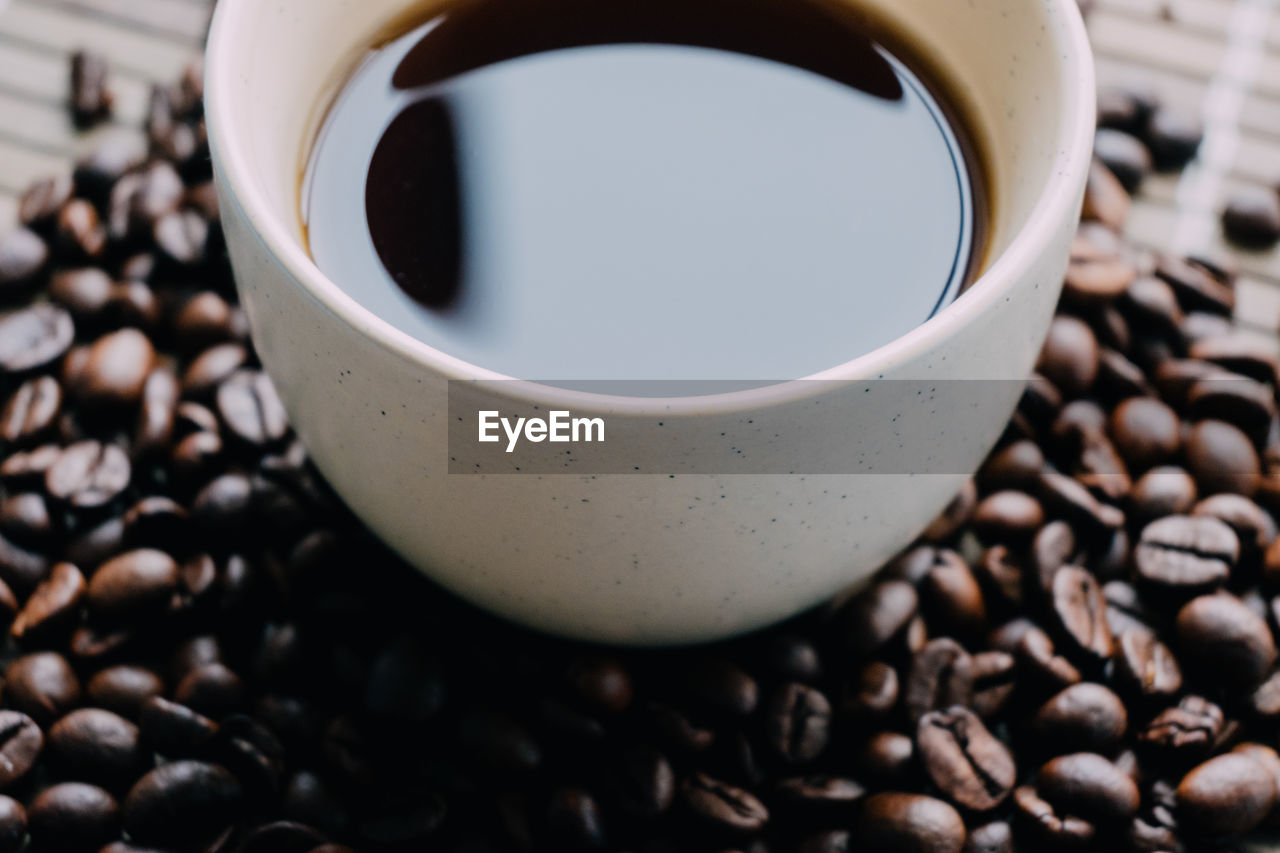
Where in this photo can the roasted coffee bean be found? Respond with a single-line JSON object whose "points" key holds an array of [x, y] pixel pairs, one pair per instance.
{"points": [[97, 172], [1146, 666], [1084, 717], [123, 689], [1243, 402], [79, 232], [1163, 490], [1146, 432], [574, 819], [787, 655], [1186, 731], [1088, 785], [116, 369], [1052, 547], [1125, 109], [951, 598], [25, 517], [31, 410], [1197, 289], [968, 764], [1016, 466], [1063, 497], [1038, 821], [1000, 579], [994, 837], [73, 816], [1222, 458], [721, 686], [88, 474], [723, 806], [20, 569], [212, 367], [211, 689], [819, 799], [1125, 155], [1226, 795], [206, 318], [182, 237], [174, 730], [133, 585], [179, 801], [1186, 554], [41, 685], [97, 746], [1039, 664], [1220, 633], [23, 258], [248, 405], [1238, 353], [33, 337], [798, 720], [1105, 200], [994, 675], [940, 675], [873, 692], [888, 757], [877, 614], [1151, 305], [909, 823], [52, 608], [645, 782], [40, 203], [91, 98], [1069, 358], [1081, 612], [1007, 516], [21, 742], [1174, 137]]}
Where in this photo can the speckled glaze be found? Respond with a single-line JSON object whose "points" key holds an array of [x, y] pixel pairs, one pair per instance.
{"points": [[646, 558]]}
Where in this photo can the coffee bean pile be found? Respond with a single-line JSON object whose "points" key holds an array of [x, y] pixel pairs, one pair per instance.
{"points": [[205, 652]]}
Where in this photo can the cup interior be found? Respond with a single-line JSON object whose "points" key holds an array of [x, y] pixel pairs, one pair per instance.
{"points": [[1021, 68]]}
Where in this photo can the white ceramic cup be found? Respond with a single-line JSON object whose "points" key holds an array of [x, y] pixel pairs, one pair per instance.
{"points": [[648, 558]]}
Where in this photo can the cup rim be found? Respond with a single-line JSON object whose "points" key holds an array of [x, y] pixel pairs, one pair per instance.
{"points": [[1058, 199]]}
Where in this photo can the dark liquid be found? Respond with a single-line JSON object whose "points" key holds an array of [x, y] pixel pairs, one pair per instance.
{"points": [[644, 189]]}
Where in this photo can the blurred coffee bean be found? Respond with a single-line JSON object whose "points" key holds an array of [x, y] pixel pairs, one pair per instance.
{"points": [[33, 337], [97, 746], [1081, 612], [39, 205], [250, 409], [878, 614], [1174, 137], [116, 369], [133, 585], [79, 232], [91, 97], [1125, 155], [88, 474], [1252, 217]]}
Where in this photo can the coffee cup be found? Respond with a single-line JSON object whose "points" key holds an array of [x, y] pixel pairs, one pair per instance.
{"points": [[691, 542]]}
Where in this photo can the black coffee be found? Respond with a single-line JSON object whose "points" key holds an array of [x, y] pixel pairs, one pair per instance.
{"points": [[647, 189]]}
